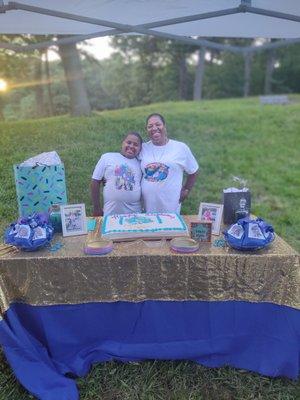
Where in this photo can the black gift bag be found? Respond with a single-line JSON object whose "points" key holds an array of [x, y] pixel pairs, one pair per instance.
{"points": [[237, 204]]}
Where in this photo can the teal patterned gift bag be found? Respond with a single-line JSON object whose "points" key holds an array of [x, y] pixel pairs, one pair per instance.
{"points": [[39, 187]]}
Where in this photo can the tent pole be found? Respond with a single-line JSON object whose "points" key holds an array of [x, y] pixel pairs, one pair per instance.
{"points": [[138, 28], [202, 42], [245, 6], [12, 5], [78, 38]]}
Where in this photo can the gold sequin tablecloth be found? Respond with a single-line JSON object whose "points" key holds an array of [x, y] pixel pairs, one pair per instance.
{"points": [[139, 270]]}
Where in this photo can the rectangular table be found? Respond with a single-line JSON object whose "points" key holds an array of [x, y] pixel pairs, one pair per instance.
{"points": [[64, 310]]}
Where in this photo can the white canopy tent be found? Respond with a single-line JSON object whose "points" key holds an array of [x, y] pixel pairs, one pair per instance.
{"points": [[182, 20], [188, 21]]}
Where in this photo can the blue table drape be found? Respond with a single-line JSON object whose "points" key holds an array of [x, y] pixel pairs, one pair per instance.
{"points": [[43, 343]]}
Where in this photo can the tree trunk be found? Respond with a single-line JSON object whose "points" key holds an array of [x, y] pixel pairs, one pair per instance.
{"points": [[269, 72], [247, 73], [38, 88], [1, 107], [182, 77], [199, 74], [49, 89], [73, 73]]}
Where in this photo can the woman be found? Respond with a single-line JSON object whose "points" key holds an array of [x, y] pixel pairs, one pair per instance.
{"points": [[163, 162], [121, 173]]}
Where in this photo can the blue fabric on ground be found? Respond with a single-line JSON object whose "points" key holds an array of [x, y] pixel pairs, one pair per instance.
{"points": [[42, 343]]}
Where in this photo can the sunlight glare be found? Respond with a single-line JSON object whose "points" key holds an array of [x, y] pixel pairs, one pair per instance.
{"points": [[3, 85]]}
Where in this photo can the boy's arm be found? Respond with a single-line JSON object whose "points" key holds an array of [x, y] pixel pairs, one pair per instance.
{"points": [[95, 194]]}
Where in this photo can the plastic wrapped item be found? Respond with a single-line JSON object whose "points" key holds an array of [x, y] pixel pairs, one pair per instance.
{"points": [[29, 233], [47, 158], [249, 234]]}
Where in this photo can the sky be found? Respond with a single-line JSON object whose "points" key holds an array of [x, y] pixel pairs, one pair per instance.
{"points": [[99, 47]]}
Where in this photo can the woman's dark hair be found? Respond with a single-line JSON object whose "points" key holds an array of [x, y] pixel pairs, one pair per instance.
{"points": [[156, 115], [136, 134]]}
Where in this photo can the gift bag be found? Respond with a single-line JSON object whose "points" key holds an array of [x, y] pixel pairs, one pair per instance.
{"points": [[39, 186], [237, 204]]}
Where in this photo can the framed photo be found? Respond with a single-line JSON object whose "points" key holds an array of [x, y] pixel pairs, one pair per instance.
{"points": [[201, 231], [73, 219], [213, 213]]}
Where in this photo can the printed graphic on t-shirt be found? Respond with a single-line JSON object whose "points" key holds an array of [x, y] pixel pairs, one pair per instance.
{"points": [[124, 177], [156, 172]]}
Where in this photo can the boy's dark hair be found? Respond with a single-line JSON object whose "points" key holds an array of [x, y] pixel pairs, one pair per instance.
{"points": [[136, 134]]}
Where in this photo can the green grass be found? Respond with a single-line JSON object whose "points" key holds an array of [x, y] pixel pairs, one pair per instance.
{"points": [[168, 380], [229, 137]]}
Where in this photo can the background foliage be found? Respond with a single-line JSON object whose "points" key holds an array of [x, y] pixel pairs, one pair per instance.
{"points": [[142, 70]]}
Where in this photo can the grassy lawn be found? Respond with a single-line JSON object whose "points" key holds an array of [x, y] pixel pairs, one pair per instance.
{"points": [[229, 137]]}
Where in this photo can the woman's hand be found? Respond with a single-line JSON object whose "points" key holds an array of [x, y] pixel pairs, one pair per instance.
{"points": [[183, 194], [185, 190]]}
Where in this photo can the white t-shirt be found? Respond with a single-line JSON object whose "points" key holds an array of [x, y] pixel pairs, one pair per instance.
{"points": [[163, 168], [122, 190]]}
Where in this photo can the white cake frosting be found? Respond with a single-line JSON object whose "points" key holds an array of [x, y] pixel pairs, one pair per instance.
{"points": [[148, 225]]}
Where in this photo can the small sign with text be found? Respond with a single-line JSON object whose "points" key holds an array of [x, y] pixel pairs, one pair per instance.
{"points": [[201, 231]]}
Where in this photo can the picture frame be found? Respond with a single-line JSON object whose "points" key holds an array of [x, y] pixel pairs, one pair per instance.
{"points": [[201, 231], [73, 219], [213, 213]]}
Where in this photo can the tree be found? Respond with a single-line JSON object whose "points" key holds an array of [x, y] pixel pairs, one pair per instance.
{"points": [[142, 57], [179, 54], [270, 64], [286, 73], [73, 72], [13, 68], [199, 74], [30, 71], [248, 56], [269, 71], [38, 87], [153, 56], [49, 89]]}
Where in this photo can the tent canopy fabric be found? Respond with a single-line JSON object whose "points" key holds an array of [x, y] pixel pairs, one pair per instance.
{"points": [[185, 20], [255, 22]]}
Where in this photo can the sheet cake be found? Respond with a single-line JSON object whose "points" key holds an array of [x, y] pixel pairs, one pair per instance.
{"points": [[148, 225]]}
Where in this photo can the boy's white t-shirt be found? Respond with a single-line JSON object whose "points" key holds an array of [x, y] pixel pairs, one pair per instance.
{"points": [[122, 190], [163, 168]]}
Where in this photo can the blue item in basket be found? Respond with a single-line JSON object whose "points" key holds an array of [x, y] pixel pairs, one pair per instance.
{"points": [[29, 233], [249, 234]]}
